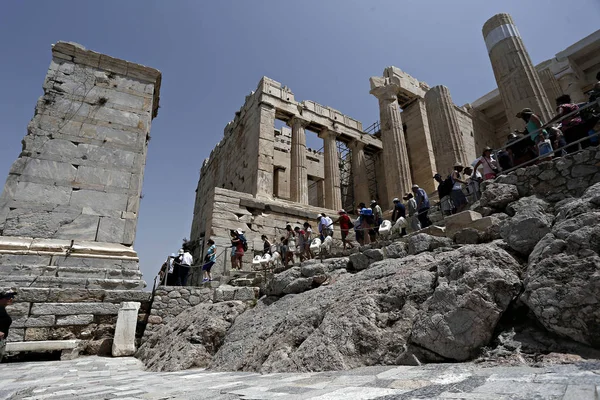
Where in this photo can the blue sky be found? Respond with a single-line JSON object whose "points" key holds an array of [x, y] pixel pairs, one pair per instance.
{"points": [[213, 53]]}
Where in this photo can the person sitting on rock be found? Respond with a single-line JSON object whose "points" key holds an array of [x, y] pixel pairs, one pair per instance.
{"points": [[209, 260]]}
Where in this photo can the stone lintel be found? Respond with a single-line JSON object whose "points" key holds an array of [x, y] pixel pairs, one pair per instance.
{"points": [[25, 245]]}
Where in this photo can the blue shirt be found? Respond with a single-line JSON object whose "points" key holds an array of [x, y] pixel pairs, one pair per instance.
{"points": [[422, 199], [212, 253]]}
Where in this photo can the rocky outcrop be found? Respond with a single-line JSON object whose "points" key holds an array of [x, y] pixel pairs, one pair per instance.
{"points": [[310, 274], [422, 242], [498, 195], [562, 284], [529, 224], [370, 317], [190, 339]]}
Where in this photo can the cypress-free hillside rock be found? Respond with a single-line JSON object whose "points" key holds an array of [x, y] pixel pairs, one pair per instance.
{"points": [[190, 339], [562, 284], [369, 317]]}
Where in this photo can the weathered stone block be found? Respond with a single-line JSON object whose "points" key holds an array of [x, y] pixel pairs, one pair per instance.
{"points": [[101, 176], [27, 191], [83, 227], [111, 230], [74, 308], [84, 319], [31, 322], [113, 201], [459, 221], [50, 170]]}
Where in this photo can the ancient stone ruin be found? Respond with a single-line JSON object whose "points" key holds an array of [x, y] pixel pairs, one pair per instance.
{"points": [[274, 179], [69, 208]]}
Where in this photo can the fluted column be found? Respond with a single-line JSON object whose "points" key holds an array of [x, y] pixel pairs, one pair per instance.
{"points": [[298, 177], [569, 83], [550, 84], [448, 142], [395, 155], [518, 81], [359, 173], [333, 194]]}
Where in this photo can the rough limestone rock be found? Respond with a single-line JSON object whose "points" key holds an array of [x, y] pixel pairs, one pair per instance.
{"points": [[562, 283], [422, 242], [396, 250], [498, 195], [367, 318], [528, 226], [190, 339], [360, 261], [474, 287], [467, 236]]}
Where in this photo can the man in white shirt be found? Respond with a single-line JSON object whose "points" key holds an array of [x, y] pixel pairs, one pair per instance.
{"points": [[185, 261]]}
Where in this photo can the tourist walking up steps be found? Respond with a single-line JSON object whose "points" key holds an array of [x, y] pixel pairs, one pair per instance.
{"points": [[458, 196], [413, 215], [345, 226], [209, 260], [300, 245], [237, 250], [399, 211], [184, 261], [422, 205], [308, 232], [6, 299], [444, 188], [539, 136]]}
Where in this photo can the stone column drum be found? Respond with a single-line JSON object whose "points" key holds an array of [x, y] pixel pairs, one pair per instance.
{"points": [[448, 142], [518, 81], [298, 177], [333, 194], [359, 173], [397, 166]]}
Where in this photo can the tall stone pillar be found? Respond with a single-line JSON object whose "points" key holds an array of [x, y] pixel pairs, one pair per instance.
{"points": [[550, 85], [333, 194], [518, 81], [448, 142], [395, 155], [298, 177], [359, 173]]}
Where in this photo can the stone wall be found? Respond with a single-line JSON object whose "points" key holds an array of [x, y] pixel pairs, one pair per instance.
{"points": [[557, 179], [170, 301], [232, 210], [419, 146], [86, 314], [79, 175]]}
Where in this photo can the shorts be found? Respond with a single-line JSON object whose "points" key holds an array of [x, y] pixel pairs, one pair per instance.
{"points": [[458, 198], [206, 267], [344, 234]]}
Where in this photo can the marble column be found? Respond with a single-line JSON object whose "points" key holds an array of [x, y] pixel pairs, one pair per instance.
{"points": [[333, 194], [448, 142], [569, 82], [298, 177], [550, 84], [395, 155], [359, 173], [518, 81]]}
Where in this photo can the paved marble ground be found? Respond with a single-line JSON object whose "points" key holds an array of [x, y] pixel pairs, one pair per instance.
{"points": [[124, 378]]}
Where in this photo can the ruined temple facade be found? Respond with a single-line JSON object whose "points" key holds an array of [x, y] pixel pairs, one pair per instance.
{"points": [[258, 178]]}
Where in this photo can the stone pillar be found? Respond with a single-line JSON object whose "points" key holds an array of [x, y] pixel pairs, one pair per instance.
{"points": [[551, 85], [448, 142], [395, 155], [77, 183], [124, 340], [333, 194], [569, 81], [265, 124], [298, 177], [359, 173], [320, 193], [518, 81]]}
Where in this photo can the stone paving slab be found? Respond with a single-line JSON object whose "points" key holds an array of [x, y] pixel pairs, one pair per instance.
{"points": [[97, 378]]}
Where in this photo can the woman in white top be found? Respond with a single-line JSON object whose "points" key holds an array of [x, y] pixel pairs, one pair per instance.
{"points": [[490, 165]]}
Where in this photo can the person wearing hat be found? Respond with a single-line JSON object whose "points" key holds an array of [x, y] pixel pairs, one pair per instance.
{"points": [[399, 211], [345, 226], [538, 135], [413, 215], [168, 268], [459, 200], [422, 205], [490, 165], [184, 261], [6, 299]]}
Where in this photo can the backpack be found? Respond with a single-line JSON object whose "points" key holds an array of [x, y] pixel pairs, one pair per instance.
{"points": [[244, 242]]}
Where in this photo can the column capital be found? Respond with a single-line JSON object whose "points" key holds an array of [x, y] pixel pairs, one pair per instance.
{"points": [[388, 92], [298, 121], [357, 144], [327, 133]]}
